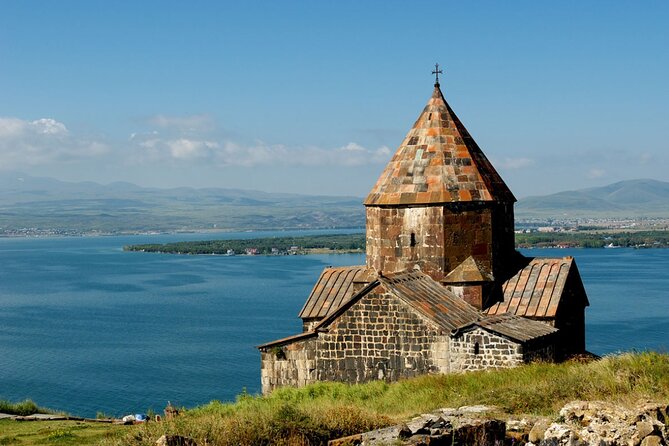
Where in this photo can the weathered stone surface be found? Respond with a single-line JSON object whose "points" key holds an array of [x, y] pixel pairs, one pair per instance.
{"points": [[463, 426], [603, 423], [653, 440], [537, 432]]}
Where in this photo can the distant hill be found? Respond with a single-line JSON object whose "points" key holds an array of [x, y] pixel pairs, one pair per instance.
{"points": [[35, 202], [631, 198], [46, 203]]}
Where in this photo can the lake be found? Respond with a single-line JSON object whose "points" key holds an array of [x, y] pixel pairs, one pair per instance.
{"points": [[87, 327]]}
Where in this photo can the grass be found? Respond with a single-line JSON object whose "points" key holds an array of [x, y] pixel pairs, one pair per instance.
{"points": [[322, 411], [23, 408], [33, 433]]}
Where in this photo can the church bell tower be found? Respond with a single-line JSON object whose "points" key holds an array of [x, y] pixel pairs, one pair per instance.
{"points": [[439, 201]]}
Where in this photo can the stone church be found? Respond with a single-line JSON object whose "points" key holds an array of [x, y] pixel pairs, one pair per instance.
{"points": [[444, 289]]}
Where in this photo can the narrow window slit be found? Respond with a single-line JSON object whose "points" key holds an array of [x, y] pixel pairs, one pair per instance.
{"points": [[413, 240]]}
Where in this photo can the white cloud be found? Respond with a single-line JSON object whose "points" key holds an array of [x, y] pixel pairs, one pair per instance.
{"points": [[48, 126], [152, 147], [187, 149], [42, 141]]}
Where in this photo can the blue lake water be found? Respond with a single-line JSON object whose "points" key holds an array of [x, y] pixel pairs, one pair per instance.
{"points": [[86, 327]]}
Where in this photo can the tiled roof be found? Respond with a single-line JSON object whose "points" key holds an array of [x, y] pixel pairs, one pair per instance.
{"points": [[467, 272], [536, 290], [431, 299], [516, 327], [438, 162], [288, 340], [333, 288]]}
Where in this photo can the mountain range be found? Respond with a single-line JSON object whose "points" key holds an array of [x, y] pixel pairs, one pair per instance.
{"points": [[630, 198], [37, 202]]}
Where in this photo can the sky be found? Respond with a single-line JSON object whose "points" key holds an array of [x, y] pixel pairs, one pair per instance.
{"points": [[314, 97]]}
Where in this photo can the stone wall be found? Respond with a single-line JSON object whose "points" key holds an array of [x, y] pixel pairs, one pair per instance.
{"points": [[400, 237], [439, 238], [496, 351], [377, 338], [292, 365], [493, 351], [540, 350], [380, 338]]}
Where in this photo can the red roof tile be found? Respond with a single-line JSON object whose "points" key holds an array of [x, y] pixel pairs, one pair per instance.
{"points": [[536, 290], [431, 299], [516, 327], [438, 162], [333, 288]]}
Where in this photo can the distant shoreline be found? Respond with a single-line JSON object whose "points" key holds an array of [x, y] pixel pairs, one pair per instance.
{"points": [[355, 243], [270, 246]]}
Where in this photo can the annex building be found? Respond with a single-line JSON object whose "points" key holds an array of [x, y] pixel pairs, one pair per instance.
{"points": [[443, 289]]}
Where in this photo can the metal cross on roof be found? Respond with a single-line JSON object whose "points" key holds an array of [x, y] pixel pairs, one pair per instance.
{"points": [[436, 72]]}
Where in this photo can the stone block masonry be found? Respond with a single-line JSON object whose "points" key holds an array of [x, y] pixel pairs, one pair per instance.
{"points": [[439, 238], [380, 337], [377, 338], [479, 349], [291, 365]]}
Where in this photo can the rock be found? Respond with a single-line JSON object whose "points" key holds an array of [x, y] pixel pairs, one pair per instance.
{"points": [[518, 425], [443, 427], [514, 437], [481, 433], [582, 423], [175, 440], [420, 422], [476, 409], [655, 411], [404, 432], [537, 432], [643, 429], [601, 423], [652, 440], [557, 434]]}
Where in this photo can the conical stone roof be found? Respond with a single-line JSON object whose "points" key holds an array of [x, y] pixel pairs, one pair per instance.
{"points": [[438, 162]]}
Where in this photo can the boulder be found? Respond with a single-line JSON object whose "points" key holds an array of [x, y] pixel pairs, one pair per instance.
{"points": [[652, 440], [538, 430]]}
